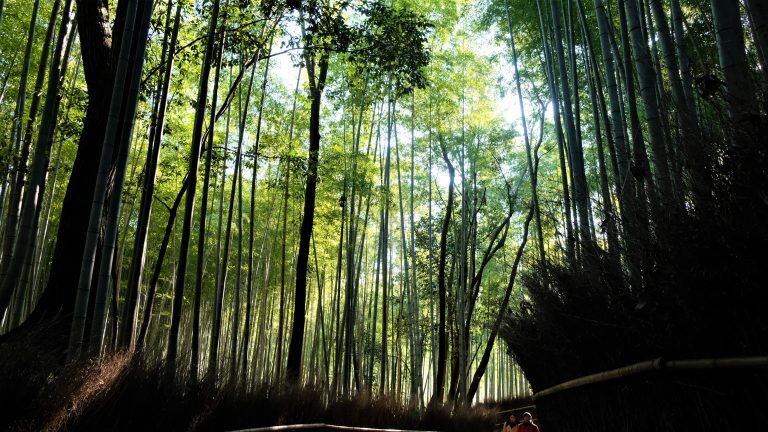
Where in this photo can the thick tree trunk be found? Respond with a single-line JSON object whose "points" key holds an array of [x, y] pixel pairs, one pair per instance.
{"points": [[96, 206], [96, 42], [42, 242]]}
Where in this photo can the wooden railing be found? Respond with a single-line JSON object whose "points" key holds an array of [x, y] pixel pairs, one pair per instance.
{"points": [[657, 364], [321, 427]]}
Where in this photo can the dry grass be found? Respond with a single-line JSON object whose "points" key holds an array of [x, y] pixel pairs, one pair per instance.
{"points": [[124, 392]]}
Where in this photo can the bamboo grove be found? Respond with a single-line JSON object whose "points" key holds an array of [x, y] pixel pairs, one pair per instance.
{"points": [[357, 195]]}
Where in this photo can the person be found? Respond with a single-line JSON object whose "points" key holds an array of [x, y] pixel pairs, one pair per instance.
{"points": [[511, 424], [527, 425]]}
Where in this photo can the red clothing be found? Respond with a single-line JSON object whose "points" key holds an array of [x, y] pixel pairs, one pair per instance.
{"points": [[527, 427]]}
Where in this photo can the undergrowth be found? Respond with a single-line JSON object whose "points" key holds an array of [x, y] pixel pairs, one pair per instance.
{"points": [[701, 294], [124, 392]]}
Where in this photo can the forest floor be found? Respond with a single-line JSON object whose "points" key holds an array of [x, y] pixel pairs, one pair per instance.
{"points": [[122, 392]]}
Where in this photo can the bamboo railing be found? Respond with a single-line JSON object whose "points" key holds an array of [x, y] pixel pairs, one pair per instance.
{"points": [[657, 364], [320, 427]]}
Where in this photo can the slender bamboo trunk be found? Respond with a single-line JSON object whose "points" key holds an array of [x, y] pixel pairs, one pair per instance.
{"points": [[406, 265], [235, 335], [733, 60], [123, 78], [131, 310], [644, 184], [570, 240], [437, 397], [417, 342], [112, 215], [16, 179], [189, 204], [686, 76], [692, 148], [625, 182], [317, 85], [11, 220], [42, 243], [758, 18], [222, 280], [249, 281], [201, 238], [22, 251], [432, 339], [608, 226], [385, 258], [287, 168], [580, 196], [529, 159], [379, 257], [647, 81], [217, 270], [504, 304], [367, 377]]}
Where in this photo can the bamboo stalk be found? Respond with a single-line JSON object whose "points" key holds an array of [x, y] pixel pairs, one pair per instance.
{"points": [[657, 364]]}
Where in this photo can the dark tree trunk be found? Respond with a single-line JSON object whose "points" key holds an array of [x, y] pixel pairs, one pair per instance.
{"points": [[96, 41], [502, 311], [293, 368], [442, 343]]}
